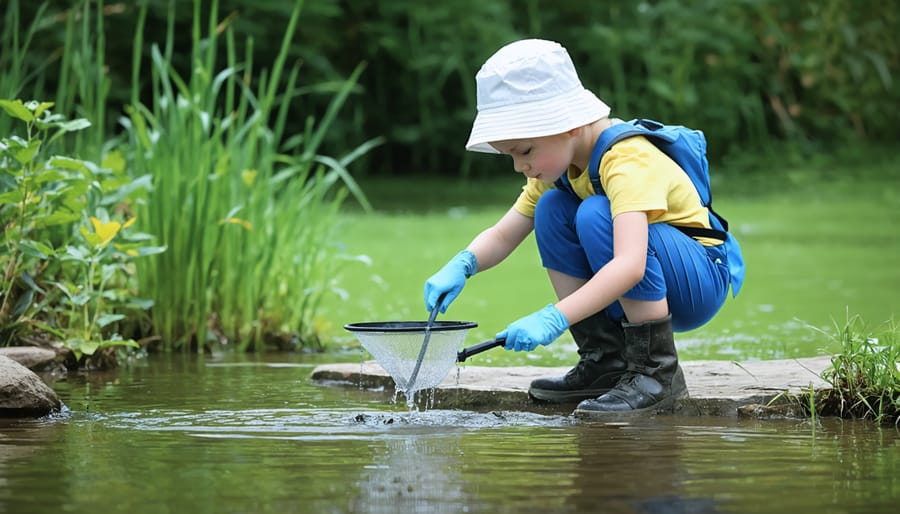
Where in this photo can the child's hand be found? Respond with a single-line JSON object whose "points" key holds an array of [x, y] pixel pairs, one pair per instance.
{"points": [[450, 279], [542, 327]]}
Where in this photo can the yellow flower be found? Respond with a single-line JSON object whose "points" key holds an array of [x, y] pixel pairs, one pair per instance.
{"points": [[107, 231]]}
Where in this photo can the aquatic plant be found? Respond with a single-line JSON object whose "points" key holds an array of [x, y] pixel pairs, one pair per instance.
{"points": [[246, 209]]}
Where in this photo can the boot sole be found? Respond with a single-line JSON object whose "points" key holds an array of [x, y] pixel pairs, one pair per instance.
{"points": [[546, 395]]}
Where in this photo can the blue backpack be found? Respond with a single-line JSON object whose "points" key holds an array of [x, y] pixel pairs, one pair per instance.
{"points": [[687, 147]]}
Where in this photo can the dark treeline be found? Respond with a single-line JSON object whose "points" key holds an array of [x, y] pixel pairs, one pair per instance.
{"points": [[809, 74]]}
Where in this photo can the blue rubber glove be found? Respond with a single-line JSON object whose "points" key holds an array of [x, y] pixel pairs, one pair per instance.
{"points": [[450, 279], [542, 327]]}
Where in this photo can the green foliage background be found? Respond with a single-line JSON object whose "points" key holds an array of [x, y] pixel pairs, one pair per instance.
{"points": [[807, 75]]}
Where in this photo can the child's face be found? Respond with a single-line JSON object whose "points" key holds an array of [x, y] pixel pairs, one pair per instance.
{"points": [[543, 158]]}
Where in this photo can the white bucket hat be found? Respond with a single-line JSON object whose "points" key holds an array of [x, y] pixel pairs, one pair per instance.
{"points": [[528, 89]]}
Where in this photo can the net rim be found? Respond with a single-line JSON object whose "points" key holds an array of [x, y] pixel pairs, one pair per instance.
{"points": [[409, 326]]}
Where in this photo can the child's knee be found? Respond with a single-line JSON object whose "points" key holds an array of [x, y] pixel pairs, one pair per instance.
{"points": [[554, 201], [595, 209], [553, 209], [594, 220]]}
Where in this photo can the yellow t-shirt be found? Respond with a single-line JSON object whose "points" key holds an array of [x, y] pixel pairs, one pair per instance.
{"points": [[636, 176]]}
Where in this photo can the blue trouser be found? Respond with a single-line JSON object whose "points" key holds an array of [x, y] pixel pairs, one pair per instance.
{"points": [[575, 237]]}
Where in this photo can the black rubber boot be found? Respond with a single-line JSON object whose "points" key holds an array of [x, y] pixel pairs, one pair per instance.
{"points": [[654, 380], [600, 343]]}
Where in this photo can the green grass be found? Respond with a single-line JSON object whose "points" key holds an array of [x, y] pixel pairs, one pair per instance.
{"points": [[864, 375], [817, 243]]}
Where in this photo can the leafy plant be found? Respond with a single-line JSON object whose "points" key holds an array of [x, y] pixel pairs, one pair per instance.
{"points": [[72, 288], [36, 195], [95, 296]]}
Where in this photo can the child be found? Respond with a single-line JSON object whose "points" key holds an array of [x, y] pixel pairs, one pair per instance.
{"points": [[626, 277]]}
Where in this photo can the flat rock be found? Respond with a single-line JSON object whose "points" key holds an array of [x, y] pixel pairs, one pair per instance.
{"points": [[717, 388], [32, 357]]}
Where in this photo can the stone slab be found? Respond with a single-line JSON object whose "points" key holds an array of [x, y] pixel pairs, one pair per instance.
{"points": [[717, 388], [32, 357]]}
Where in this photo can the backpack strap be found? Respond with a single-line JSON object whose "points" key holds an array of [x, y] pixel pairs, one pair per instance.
{"points": [[612, 135]]}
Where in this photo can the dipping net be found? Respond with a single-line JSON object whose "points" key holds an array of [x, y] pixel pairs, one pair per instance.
{"points": [[396, 346]]}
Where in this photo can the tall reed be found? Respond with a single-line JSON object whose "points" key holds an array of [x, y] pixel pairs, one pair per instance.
{"points": [[18, 67], [60, 55], [84, 84], [246, 210]]}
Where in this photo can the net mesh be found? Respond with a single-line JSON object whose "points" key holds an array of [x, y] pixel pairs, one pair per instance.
{"points": [[397, 353]]}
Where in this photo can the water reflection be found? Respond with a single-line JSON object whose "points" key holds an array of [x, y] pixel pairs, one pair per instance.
{"points": [[630, 467], [414, 475]]}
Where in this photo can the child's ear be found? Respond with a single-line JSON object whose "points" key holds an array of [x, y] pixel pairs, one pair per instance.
{"points": [[575, 131]]}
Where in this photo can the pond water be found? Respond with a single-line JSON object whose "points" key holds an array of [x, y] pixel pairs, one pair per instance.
{"points": [[237, 434]]}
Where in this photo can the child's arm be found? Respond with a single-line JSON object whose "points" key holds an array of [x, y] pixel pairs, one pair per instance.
{"points": [[488, 249], [624, 271], [497, 242]]}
